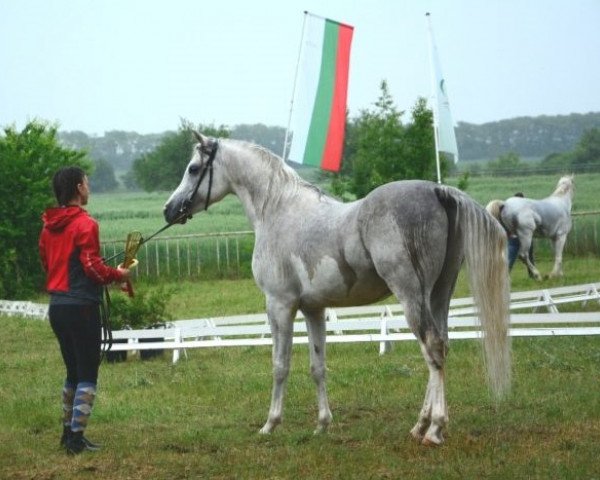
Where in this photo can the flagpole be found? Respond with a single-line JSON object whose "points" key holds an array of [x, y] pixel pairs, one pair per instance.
{"points": [[434, 95], [287, 130]]}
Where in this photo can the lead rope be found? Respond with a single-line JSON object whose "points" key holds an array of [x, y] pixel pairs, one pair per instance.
{"points": [[107, 338]]}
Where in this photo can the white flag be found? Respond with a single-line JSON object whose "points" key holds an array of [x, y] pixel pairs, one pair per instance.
{"points": [[442, 115]]}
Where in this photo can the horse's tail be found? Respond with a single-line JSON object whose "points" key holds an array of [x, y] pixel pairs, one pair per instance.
{"points": [[494, 208], [484, 245]]}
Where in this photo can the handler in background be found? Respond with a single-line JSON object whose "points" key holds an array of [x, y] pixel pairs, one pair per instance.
{"points": [[70, 252]]}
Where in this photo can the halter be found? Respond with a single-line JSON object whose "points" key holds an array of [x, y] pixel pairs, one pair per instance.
{"points": [[206, 168]]}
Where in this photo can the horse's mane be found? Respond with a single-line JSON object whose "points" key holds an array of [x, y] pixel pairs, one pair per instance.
{"points": [[281, 172]]}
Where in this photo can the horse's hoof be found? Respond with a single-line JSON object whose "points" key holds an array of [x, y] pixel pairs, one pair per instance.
{"points": [[267, 429], [323, 422], [417, 434], [430, 441], [270, 424]]}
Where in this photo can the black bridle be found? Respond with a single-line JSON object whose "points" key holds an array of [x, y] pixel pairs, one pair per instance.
{"points": [[206, 168]]}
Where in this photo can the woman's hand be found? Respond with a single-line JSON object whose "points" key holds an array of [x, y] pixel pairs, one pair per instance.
{"points": [[124, 272]]}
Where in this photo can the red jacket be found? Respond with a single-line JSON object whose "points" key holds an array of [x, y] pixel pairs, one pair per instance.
{"points": [[70, 252]]}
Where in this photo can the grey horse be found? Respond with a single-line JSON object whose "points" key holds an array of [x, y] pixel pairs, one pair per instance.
{"points": [[311, 251], [549, 217]]}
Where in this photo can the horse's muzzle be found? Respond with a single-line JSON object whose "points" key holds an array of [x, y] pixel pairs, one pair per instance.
{"points": [[175, 215]]}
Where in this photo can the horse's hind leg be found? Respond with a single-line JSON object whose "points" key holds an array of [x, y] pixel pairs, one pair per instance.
{"points": [[420, 270], [429, 321], [524, 249], [433, 417], [434, 414], [525, 234], [431, 335], [315, 324], [281, 320]]}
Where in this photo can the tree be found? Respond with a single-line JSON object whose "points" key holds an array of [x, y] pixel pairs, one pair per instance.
{"points": [[377, 145], [103, 179], [507, 165], [528, 136], [268, 137], [587, 152], [380, 149], [129, 181], [585, 157], [28, 160], [557, 162], [419, 154], [162, 168]]}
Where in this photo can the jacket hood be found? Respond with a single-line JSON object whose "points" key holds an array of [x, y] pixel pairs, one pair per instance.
{"points": [[56, 219]]}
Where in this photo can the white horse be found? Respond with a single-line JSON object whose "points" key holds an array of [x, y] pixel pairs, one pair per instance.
{"points": [[312, 252], [550, 217]]}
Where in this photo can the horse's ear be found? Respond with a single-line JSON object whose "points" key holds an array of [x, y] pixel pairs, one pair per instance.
{"points": [[201, 138]]}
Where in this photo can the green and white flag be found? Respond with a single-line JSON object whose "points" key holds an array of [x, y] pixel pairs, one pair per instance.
{"points": [[446, 139], [318, 117]]}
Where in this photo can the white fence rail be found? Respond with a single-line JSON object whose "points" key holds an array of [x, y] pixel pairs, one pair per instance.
{"points": [[24, 309], [374, 323]]}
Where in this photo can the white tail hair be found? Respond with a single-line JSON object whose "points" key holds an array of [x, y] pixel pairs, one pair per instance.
{"points": [[485, 253]]}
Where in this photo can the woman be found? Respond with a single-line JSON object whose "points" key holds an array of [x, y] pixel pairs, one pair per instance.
{"points": [[70, 252]]}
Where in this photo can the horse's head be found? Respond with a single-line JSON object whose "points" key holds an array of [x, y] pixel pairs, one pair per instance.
{"points": [[565, 186], [203, 182]]}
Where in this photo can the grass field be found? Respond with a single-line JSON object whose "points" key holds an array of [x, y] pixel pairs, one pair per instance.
{"points": [[200, 417]]}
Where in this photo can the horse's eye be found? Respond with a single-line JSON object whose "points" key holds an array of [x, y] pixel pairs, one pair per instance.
{"points": [[193, 169]]}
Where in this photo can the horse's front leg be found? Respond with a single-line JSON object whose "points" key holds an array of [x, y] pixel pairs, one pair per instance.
{"points": [[315, 324], [558, 244], [281, 318]]}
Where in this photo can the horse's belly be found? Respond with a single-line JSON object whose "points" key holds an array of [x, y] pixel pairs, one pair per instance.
{"points": [[364, 292], [330, 283]]}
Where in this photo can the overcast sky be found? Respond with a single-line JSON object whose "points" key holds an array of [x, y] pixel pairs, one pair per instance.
{"points": [[141, 65]]}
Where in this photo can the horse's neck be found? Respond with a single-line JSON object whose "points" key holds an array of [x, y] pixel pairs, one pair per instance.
{"points": [[262, 185], [564, 198]]}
